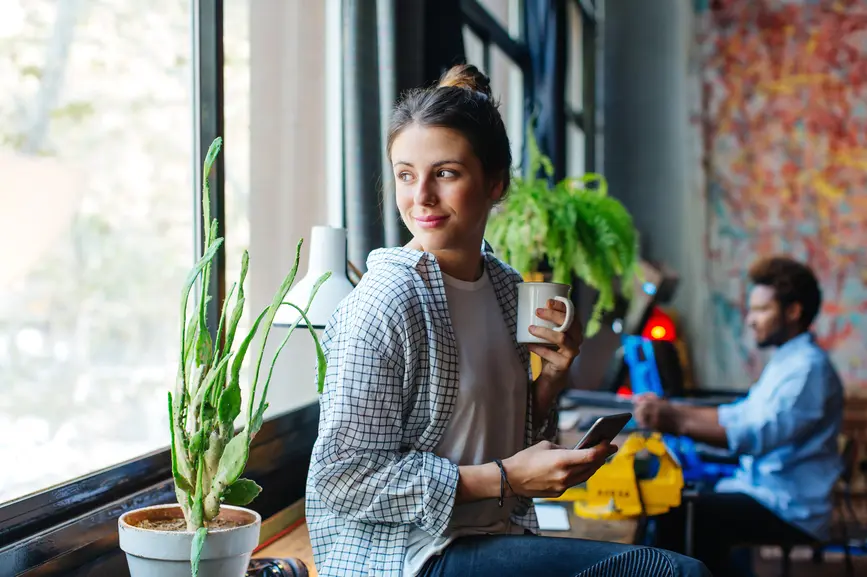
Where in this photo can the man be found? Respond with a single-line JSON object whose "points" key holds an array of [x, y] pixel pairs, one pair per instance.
{"points": [[785, 431]]}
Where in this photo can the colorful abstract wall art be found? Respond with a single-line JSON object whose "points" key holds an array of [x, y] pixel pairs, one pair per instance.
{"points": [[784, 121]]}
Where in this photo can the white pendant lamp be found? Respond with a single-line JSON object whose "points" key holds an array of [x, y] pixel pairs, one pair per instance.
{"points": [[327, 254]]}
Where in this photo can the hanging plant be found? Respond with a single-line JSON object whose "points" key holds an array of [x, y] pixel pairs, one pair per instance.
{"points": [[574, 225]]}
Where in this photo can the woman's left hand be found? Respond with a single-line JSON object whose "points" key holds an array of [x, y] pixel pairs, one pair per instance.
{"points": [[557, 361]]}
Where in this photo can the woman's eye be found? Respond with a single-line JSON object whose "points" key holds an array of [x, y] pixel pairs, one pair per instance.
{"points": [[444, 173], [404, 176]]}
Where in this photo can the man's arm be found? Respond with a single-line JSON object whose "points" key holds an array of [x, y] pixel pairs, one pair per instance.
{"points": [[699, 423]]}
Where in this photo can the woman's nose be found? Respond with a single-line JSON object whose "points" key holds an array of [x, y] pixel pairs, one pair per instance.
{"points": [[425, 193]]}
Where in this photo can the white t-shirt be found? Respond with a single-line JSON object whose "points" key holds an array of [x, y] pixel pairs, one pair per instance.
{"points": [[489, 416]]}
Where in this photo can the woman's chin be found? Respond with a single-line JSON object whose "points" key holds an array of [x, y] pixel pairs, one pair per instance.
{"points": [[431, 239]]}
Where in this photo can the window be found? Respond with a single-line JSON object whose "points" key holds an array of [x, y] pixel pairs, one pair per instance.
{"points": [[96, 231], [236, 114], [503, 12], [506, 74], [474, 48], [507, 80], [290, 171], [575, 140], [580, 69], [99, 130]]}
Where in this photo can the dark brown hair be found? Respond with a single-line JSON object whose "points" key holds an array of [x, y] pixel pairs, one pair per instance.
{"points": [[462, 101], [792, 281]]}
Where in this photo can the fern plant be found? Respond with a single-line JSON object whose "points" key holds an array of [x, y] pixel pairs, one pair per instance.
{"points": [[574, 225], [208, 456]]}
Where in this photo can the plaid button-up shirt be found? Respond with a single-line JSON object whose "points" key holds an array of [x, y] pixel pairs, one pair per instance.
{"points": [[390, 390]]}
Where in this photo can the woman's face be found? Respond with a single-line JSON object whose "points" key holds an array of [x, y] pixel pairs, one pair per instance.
{"points": [[442, 192]]}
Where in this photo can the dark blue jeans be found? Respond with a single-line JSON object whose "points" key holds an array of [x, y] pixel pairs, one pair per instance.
{"points": [[527, 555]]}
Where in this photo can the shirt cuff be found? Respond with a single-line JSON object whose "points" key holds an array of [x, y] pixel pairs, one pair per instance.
{"points": [[730, 418], [439, 496]]}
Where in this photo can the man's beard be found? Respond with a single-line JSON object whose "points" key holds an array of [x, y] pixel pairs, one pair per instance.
{"points": [[775, 339]]}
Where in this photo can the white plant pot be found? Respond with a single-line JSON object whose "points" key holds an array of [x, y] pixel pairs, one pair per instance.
{"points": [[151, 553]]}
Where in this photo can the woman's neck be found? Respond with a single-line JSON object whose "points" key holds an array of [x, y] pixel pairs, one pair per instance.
{"points": [[461, 263]]}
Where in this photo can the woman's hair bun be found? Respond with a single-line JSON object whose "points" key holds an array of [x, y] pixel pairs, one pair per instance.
{"points": [[466, 76]]}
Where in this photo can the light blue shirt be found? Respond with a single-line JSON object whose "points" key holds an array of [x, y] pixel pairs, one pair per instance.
{"points": [[786, 432]]}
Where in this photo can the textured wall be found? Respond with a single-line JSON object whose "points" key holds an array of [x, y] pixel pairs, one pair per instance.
{"points": [[783, 104]]}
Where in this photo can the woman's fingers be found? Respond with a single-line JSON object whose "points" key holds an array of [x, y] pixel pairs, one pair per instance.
{"points": [[576, 457]]}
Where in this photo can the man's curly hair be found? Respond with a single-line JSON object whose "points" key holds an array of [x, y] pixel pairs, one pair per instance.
{"points": [[792, 281]]}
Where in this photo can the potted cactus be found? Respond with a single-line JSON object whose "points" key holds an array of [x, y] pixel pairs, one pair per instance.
{"points": [[208, 530]]}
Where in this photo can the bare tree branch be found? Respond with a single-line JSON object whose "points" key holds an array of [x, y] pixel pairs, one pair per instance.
{"points": [[52, 76]]}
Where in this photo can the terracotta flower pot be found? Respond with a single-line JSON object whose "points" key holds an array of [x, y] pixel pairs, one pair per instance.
{"points": [[166, 553]]}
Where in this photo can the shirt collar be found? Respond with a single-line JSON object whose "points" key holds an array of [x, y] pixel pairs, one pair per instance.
{"points": [[793, 344], [413, 258]]}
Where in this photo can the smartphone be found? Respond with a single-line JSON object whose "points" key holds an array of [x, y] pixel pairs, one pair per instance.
{"points": [[604, 429]]}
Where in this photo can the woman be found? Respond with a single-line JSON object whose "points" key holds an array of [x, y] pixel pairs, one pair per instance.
{"points": [[432, 441]]}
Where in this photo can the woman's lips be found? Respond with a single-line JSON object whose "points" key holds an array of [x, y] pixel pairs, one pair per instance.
{"points": [[430, 221]]}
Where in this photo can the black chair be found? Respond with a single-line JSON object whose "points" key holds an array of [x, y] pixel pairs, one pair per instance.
{"points": [[840, 530]]}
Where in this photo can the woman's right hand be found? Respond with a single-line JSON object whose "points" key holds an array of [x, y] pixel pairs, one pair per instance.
{"points": [[547, 470]]}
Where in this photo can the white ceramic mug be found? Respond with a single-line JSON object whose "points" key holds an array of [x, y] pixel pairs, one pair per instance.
{"points": [[535, 295]]}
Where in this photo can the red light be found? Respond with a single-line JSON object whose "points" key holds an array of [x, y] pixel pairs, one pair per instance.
{"points": [[659, 327]]}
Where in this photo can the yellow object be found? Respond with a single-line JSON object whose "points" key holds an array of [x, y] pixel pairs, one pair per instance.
{"points": [[611, 493], [535, 365], [535, 360]]}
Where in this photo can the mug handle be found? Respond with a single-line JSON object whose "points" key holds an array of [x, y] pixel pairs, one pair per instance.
{"points": [[570, 314]]}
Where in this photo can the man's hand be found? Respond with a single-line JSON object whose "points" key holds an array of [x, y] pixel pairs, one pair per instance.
{"points": [[654, 413]]}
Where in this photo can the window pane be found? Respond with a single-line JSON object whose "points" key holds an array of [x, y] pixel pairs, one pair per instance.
{"points": [[236, 78], [504, 12], [474, 48], [96, 231], [507, 82], [575, 154], [575, 59]]}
